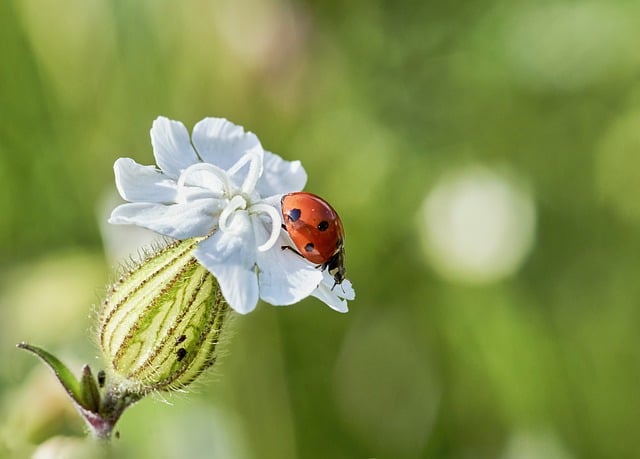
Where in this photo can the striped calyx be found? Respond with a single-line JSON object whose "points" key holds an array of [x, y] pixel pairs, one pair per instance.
{"points": [[161, 322]]}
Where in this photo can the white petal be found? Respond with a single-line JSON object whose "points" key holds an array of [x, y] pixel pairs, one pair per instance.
{"points": [[239, 287], [231, 258], [280, 176], [284, 276], [275, 201], [324, 294], [221, 142], [180, 221], [171, 146], [143, 183], [335, 297], [346, 290]]}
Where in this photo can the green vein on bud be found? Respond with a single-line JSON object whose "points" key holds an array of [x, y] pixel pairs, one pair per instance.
{"points": [[160, 323]]}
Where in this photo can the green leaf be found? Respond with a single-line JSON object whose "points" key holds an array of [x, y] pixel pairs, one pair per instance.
{"points": [[79, 391]]}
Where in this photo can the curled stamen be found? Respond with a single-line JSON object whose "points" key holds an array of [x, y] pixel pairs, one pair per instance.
{"points": [[254, 158], [275, 224], [237, 202], [218, 173]]}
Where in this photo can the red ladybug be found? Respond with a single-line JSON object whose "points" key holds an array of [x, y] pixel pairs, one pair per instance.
{"points": [[316, 230]]}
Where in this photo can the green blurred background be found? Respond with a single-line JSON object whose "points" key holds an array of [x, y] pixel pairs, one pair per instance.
{"points": [[484, 157]]}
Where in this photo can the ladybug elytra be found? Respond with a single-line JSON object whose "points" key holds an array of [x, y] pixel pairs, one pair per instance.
{"points": [[316, 231]]}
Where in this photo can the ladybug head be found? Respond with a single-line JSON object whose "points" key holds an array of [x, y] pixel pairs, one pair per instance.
{"points": [[336, 268]]}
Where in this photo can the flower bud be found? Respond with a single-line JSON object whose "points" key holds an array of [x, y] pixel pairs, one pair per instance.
{"points": [[161, 322]]}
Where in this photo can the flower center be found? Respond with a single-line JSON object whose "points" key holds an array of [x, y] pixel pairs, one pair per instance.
{"points": [[219, 184], [236, 203]]}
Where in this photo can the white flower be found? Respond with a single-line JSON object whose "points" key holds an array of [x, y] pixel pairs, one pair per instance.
{"points": [[223, 186]]}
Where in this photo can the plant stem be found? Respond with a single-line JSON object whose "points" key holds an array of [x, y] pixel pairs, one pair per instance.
{"points": [[114, 401]]}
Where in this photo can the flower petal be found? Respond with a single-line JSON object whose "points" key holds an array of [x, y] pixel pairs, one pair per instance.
{"points": [[280, 176], [231, 257], [171, 146], [239, 287], [221, 142], [143, 183], [180, 221], [284, 276], [335, 296]]}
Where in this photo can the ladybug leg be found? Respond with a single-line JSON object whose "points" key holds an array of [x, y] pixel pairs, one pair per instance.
{"points": [[288, 247], [285, 247], [340, 284]]}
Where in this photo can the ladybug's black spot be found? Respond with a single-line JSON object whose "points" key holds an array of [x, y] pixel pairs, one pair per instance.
{"points": [[323, 225], [181, 353], [294, 215], [309, 247]]}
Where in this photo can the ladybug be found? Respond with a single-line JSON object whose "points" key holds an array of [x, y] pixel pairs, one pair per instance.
{"points": [[316, 230]]}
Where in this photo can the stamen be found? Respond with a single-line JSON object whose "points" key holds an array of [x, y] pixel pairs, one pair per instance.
{"points": [[275, 224], [254, 158], [220, 174], [237, 202]]}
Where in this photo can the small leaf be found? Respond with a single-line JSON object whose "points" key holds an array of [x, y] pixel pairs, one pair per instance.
{"points": [[89, 388], [64, 375]]}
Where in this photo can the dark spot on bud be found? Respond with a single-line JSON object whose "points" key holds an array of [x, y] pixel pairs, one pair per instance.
{"points": [[323, 225], [180, 339], [117, 434], [294, 215], [102, 377], [309, 247], [181, 353]]}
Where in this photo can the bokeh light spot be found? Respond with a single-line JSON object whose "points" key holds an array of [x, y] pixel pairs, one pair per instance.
{"points": [[263, 33], [477, 225], [534, 445]]}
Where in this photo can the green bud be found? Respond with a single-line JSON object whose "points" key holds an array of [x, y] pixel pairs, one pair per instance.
{"points": [[161, 322]]}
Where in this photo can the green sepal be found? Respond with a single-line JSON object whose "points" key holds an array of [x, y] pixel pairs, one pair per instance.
{"points": [[83, 392], [89, 390]]}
